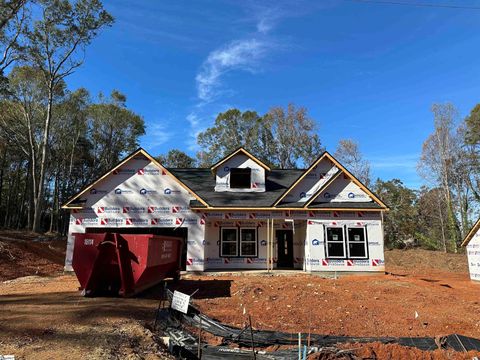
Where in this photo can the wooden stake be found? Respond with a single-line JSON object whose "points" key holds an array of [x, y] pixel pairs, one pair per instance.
{"points": [[161, 304], [309, 331], [199, 350], [251, 336], [299, 346]]}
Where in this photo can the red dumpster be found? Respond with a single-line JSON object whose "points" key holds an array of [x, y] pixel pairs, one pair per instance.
{"points": [[124, 264]]}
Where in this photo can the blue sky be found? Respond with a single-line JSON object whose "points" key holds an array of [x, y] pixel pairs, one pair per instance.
{"points": [[368, 72]]}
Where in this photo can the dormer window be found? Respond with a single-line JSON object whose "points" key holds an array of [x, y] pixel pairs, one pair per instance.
{"points": [[240, 178], [240, 172]]}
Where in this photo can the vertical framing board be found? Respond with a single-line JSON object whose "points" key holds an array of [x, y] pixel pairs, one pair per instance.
{"points": [[139, 194], [240, 160], [299, 236], [473, 255]]}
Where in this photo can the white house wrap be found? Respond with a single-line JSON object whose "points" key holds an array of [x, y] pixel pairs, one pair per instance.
{"points": [[472, 242], [240, 214]]}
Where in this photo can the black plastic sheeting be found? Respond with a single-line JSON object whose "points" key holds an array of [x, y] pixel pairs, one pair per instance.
{"points": [[185, 344]]}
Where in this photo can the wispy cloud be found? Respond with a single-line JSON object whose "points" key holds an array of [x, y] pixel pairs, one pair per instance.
{"points": [[237, 55], [194, 121], [267, 18], [403, 167], [405, 162], [200, 119], [245, 54], [157, 135]]}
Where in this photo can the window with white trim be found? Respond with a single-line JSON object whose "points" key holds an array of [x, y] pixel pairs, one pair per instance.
{"points": [[357, 242], [248, 242], [229, 242], [335, 245]]}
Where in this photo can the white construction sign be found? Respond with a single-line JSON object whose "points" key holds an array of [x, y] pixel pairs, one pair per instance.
{"points": [[473, 254], [180, 301]]}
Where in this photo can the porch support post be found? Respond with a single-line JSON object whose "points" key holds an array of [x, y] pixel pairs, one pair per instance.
{"points": [[268, 245], [272, 232]]}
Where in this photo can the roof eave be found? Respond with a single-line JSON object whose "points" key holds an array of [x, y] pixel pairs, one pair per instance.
{"points": [[471, 233]]}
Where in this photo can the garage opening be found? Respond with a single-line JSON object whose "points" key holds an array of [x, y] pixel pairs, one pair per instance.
{"points": [[178, 232]]}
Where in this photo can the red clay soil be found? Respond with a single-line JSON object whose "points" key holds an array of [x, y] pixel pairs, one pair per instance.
{"points": [[379, 305], [46, 317], [394, 351], [24, 254]]}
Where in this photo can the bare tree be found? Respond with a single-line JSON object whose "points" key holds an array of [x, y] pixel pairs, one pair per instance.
{"points": [[56, 46], [439, 154], [349, 155], [294, 136], [283, 138], [13, 17]]}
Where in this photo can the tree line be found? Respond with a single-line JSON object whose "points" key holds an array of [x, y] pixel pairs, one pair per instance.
{"points": [[55, 140], [437, 216]]}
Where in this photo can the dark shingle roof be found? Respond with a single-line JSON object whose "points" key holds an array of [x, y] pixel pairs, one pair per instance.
{"points": [[202, 182], [332, 205], [345, 205]]}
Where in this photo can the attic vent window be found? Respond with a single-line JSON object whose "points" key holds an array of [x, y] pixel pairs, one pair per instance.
{"points": [[240, 178]]}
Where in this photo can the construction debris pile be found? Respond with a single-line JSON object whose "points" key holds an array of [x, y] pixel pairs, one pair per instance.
{"points": [[182, 333]]}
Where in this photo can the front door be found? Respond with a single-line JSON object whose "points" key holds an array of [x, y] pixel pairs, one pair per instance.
{"points": [[285, 248]]}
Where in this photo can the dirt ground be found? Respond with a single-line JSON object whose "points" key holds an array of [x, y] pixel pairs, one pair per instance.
{"points": [[24, 254], [356, 305], [46, 318], [42, 315]]}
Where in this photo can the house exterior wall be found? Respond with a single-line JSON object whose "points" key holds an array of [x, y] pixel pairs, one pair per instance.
{"points": [[473, 256], [214, 260], [315, 248], [142, 195], [139, 194], [308, 227], [222, 174]]}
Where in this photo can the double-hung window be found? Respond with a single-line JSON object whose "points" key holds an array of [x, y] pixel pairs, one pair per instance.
{"points": [[229, 242], [238, 242], [357, 242], [346, 242], [335, 245], [248, 242]]}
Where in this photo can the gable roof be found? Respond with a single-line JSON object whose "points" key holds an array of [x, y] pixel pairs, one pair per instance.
{"points": [[471, 233], [200, 184], [327, 155], [69, 204], [239, 150]]}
